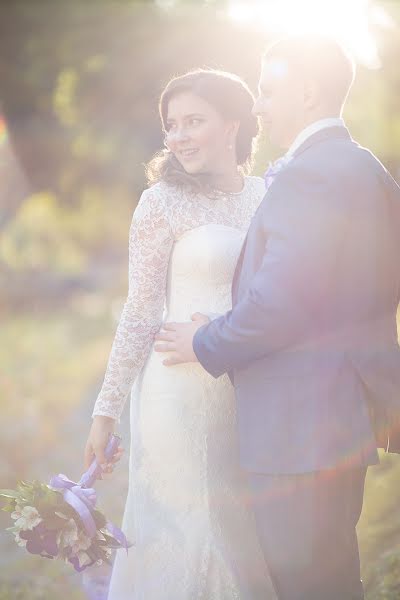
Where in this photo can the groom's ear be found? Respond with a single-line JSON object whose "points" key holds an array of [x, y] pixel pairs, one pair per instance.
{"points": [[311, 94]]}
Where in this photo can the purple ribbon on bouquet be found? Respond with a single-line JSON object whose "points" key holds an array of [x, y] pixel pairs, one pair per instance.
{"points": [[83, 498]]}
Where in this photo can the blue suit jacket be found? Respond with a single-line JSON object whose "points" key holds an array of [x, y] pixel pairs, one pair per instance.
{"points": [[311, 341]]}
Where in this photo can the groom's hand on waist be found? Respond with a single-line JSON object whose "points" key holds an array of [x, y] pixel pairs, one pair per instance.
{"points": [[177, 338]]}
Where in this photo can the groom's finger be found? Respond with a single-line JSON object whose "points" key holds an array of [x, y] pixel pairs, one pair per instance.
{"points": [[170, 326], [164, 336], [164, 347], [174, 359], [198, 317]]}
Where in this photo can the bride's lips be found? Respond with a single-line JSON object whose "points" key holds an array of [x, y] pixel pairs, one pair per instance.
{"points": [[188, 153]]}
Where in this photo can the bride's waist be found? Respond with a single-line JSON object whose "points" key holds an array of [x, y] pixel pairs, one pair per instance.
{"points": [[184, 314], [182, 308]]}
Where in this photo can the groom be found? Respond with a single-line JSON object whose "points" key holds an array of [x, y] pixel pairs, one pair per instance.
{"points": [[311, 341]]}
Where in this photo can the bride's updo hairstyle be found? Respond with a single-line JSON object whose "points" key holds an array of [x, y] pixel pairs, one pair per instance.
{"points": [[232, 99]]}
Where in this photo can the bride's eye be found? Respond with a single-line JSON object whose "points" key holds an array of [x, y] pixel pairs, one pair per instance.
{"points": [[195, 121]]}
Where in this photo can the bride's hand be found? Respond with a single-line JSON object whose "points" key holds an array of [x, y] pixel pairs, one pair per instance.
{"points": [[96, 443]]}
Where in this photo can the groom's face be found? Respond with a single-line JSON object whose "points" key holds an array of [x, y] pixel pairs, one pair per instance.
{"points": [[280, 103]]}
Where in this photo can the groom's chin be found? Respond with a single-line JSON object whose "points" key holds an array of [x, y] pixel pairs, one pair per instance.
{"points": [[271, 136]]}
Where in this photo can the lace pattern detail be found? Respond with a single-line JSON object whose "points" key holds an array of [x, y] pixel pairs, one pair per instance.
{"points": [[162, 216]]}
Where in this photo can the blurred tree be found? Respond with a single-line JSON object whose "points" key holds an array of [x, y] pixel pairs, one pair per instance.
{"points": [[80, 83]]}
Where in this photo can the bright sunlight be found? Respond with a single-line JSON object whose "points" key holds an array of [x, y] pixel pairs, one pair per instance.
{"points": [[349, 21]]}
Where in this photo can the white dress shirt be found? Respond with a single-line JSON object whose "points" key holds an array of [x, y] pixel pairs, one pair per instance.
{"points": [[307, 132], [311, 129]]}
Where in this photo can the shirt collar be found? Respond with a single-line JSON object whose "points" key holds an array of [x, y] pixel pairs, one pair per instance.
{"points": [[311, 129]]}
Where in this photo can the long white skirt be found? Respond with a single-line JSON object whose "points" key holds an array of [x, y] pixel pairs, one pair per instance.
{"points": [[185, 509]]}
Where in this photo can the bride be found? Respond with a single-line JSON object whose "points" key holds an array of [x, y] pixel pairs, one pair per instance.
{"points": [[185, 513]]}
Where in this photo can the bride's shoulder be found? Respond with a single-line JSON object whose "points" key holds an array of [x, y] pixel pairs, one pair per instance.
{"points": [[161, 193], [256, 186], [159, 190], [158, 195]]}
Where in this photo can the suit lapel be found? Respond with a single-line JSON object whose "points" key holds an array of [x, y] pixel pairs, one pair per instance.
{"points": [[236, 275], [238, 268], [327, 133]]}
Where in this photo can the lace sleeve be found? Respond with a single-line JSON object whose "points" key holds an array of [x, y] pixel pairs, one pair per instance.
{"points": [[150, 244]]}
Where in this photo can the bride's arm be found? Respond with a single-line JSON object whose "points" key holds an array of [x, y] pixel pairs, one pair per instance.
{"points": [[150, 244]]}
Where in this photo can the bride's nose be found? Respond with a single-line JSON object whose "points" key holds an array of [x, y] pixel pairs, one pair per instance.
{"points": [[178, 136]]}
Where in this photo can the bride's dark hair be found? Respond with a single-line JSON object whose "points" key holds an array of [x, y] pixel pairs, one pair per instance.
{"points": [[232, 99]]}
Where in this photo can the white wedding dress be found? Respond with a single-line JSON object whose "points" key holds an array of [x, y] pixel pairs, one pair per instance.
{"points": [[185, 509]]}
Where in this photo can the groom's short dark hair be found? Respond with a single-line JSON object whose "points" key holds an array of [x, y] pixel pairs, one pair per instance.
{"points": [[320, 57]]}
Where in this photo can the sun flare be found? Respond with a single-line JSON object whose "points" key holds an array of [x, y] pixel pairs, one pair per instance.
{"points": [[347, 20]]}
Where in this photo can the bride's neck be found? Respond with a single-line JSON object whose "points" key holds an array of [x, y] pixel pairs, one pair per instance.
{"points": [[228, 181]]}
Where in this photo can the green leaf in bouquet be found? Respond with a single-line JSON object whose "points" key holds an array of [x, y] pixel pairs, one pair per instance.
{"points": [[44, 496], [105, 558], [101, 552], [99, 519], [115, 544], [55, 497], [10, 507], [13, 528], [25, 493], [45, 506], [26, 486], [94, 553], [109, 541], [10, 493], [52, 521], [60, 506]]}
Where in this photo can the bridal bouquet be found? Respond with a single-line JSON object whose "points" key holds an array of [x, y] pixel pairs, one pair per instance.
{"points": [[60, 520]]}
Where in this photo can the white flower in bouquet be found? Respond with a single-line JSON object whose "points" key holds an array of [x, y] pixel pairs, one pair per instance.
{"points": [[82, 543], [17, 512], [60, 514], [68, 535], [60, 520], [19, 541], [27, 518], [83, 558]]}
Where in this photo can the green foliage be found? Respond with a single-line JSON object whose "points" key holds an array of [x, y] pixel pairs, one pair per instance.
{"points": [[379, 529], [47, 236], [31, 591], [50, 363]]}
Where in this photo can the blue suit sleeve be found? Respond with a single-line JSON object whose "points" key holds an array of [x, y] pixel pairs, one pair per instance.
{"points": [[283, 304]]}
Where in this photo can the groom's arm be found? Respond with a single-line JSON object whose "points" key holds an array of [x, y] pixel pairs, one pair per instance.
{"points": [[302, 232]]}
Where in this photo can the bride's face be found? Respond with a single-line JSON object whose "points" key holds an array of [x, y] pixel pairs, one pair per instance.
{"points": [[201, 140]]}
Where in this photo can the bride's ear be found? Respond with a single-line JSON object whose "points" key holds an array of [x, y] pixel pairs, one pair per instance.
{"points": [[231, 132]]}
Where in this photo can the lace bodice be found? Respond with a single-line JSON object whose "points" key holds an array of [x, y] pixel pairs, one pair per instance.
{"points": [[163, 216]]}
